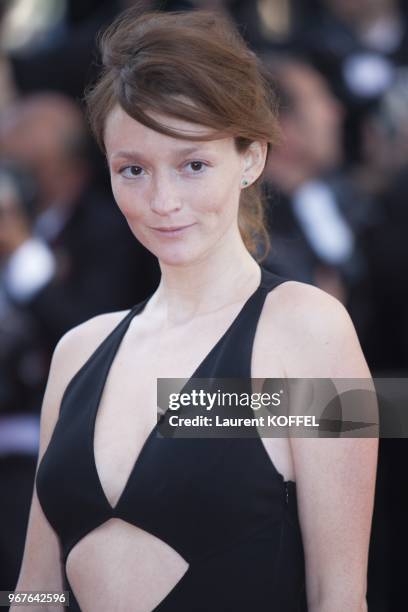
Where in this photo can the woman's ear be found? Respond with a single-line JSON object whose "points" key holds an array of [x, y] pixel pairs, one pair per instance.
{"points": [[254, 162]]}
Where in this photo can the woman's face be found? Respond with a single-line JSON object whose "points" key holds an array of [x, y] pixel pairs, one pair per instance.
{"points": [[179, 197]]}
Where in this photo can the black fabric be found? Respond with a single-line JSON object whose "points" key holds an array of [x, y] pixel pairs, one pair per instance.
{"points": [[16, 483], [220, 503]]}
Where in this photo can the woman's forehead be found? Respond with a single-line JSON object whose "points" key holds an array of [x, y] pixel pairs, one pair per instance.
{"points": [[119, 116], [122, 129]]}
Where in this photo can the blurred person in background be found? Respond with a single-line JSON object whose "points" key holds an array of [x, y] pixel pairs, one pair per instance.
{"points": [[356, 45], [18, 332], [78, 258], [382, 176], [23, 361], [313, 227]]}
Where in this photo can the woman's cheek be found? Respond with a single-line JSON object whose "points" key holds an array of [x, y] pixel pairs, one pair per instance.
{"points": [[117, 194], [218, 207], [125, 199]]}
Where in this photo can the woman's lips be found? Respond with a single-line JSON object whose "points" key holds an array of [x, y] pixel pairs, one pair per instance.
{"points": [[175, 230]]}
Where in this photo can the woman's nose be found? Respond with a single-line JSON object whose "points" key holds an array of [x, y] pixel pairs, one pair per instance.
{"points": [[163, 197]]}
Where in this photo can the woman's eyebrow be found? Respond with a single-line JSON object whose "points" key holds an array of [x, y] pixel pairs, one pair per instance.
{"points": [[130, 155]]}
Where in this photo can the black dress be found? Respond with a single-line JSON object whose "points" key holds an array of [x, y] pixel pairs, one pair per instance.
{"points": [[219, 502]]}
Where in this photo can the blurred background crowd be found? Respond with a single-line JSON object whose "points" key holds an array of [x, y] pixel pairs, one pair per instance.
{"points": [[336, 188]]}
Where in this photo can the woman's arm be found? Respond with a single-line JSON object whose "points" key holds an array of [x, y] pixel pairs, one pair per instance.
{"points": [[335, 476], [41, 565], [41, 568]]}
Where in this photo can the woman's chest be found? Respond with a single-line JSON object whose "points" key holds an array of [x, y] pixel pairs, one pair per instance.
{"points": [[132, 401]]}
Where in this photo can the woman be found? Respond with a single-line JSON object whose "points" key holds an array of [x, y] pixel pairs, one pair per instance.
{"points": [[143, 522]]}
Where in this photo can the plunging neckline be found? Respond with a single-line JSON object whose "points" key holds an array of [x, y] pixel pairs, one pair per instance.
{"points": [[135, 311]]}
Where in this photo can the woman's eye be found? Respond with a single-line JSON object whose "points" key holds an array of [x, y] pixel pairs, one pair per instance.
{"points": [[131, 171], [196, 166]]}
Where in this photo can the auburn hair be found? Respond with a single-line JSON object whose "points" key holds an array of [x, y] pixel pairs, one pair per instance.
{"points": [[157, 61]]}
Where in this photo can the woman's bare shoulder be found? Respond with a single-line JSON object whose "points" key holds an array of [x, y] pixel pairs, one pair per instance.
{"points": [[313, 331], [71, 352], [295, 301], [76, 346]]}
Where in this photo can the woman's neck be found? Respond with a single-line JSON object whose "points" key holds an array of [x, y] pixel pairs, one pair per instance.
{"points": [[225, 276]]}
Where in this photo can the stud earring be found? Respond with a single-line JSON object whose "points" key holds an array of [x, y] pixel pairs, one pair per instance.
{"points": [[244, 182]]}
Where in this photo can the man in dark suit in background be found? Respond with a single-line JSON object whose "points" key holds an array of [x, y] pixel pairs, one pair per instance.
{"points": [[313, 216]]}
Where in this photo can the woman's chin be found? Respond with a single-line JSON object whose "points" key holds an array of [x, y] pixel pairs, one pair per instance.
{"points": [[176, 255]]}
